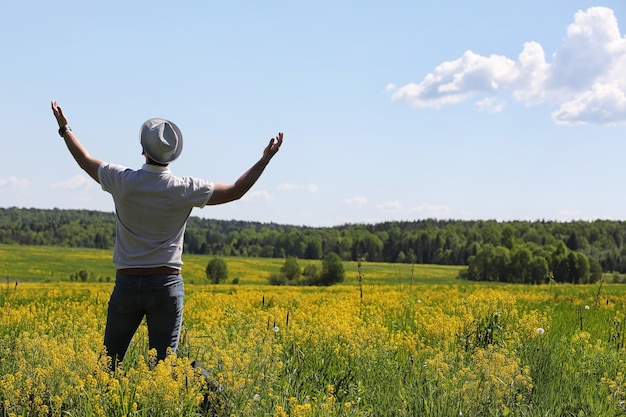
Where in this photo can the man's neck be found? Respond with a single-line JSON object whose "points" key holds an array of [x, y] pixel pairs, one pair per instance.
{"points": [[153, 162]]}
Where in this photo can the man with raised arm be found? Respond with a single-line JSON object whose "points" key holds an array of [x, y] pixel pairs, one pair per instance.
{"points": [[152, 206]]}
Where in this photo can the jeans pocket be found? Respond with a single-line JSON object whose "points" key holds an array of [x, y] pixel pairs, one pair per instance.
{"points": [[168, 295], [124, 300]]}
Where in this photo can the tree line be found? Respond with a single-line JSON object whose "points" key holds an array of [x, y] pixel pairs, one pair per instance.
{"points": [[529, 263], [425, 241]]}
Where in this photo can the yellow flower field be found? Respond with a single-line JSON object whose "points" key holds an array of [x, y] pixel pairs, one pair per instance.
{"points": [[424, 350]]}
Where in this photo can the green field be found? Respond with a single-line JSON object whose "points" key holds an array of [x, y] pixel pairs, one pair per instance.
{"points": [[58, 264]]}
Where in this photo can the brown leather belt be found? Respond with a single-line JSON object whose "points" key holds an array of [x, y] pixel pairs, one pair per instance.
{"points": [[159, 270]]}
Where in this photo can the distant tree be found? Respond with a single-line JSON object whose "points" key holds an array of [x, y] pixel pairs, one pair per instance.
{"points": [[521, 259], [502, 263], [595, 270], [539, 270], [481, 266], [313, 249], [332, 270], [290, 269], [573, 241], [216, 270], [580, 268]]}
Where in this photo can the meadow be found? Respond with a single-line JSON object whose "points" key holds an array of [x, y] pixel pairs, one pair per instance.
{"points": [[54, 264], [409, 341]]}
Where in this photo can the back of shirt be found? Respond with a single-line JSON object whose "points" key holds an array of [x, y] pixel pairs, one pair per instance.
{"points": [[152, 208]]}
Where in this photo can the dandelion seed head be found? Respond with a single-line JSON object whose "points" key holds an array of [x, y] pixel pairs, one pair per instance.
{"points": [[540, 331], [586, 307], [256, 397], [275, 329]]}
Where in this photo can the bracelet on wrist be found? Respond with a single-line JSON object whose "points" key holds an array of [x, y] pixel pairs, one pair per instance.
{"points": [[64, 129]]}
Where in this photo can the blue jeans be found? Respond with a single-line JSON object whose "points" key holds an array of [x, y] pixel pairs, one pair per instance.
{"points": [[157, 297]]}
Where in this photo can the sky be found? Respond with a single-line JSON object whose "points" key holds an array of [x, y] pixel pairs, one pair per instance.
{"points": [[391, 111]]}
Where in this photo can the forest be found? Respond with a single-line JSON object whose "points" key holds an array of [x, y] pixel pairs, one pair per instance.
{"points": [[521, 251]]}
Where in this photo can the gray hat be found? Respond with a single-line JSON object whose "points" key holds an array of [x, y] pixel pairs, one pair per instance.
{"points": [[162, 140]]}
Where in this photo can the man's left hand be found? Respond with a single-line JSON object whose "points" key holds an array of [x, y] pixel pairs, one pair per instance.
{"points": [[58, 114]]}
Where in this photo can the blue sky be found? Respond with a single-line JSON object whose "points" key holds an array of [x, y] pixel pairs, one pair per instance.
{"points": [[396, 110]]}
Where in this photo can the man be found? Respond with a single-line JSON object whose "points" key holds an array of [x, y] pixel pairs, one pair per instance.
{"points": [[152, 206]]}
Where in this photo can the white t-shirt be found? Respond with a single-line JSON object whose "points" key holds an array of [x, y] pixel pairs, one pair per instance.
{"points": [[152, 207]]}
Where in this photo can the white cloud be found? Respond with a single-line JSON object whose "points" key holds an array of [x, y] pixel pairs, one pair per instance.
{"points": [[534, 71], [430, 210], [491, 104], [253, 196], [390, 206], [566, 215], [605, 104], [291, 187], [454, 81], [77, 181], [592, 44], [14, 182], [356, 201], [585, 80]]}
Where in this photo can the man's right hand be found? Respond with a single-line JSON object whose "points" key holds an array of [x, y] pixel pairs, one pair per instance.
{"points": [[273, 147]]}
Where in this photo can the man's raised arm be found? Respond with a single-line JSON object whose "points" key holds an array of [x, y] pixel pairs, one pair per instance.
{"points": [[87, 162], [224, 193]]}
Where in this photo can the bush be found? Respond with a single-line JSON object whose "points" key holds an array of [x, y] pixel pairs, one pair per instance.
{"points": [[277, 279], [82, 276], [311, 274], [290, 269], [332, 270], [216, 270], [291, 274]]}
